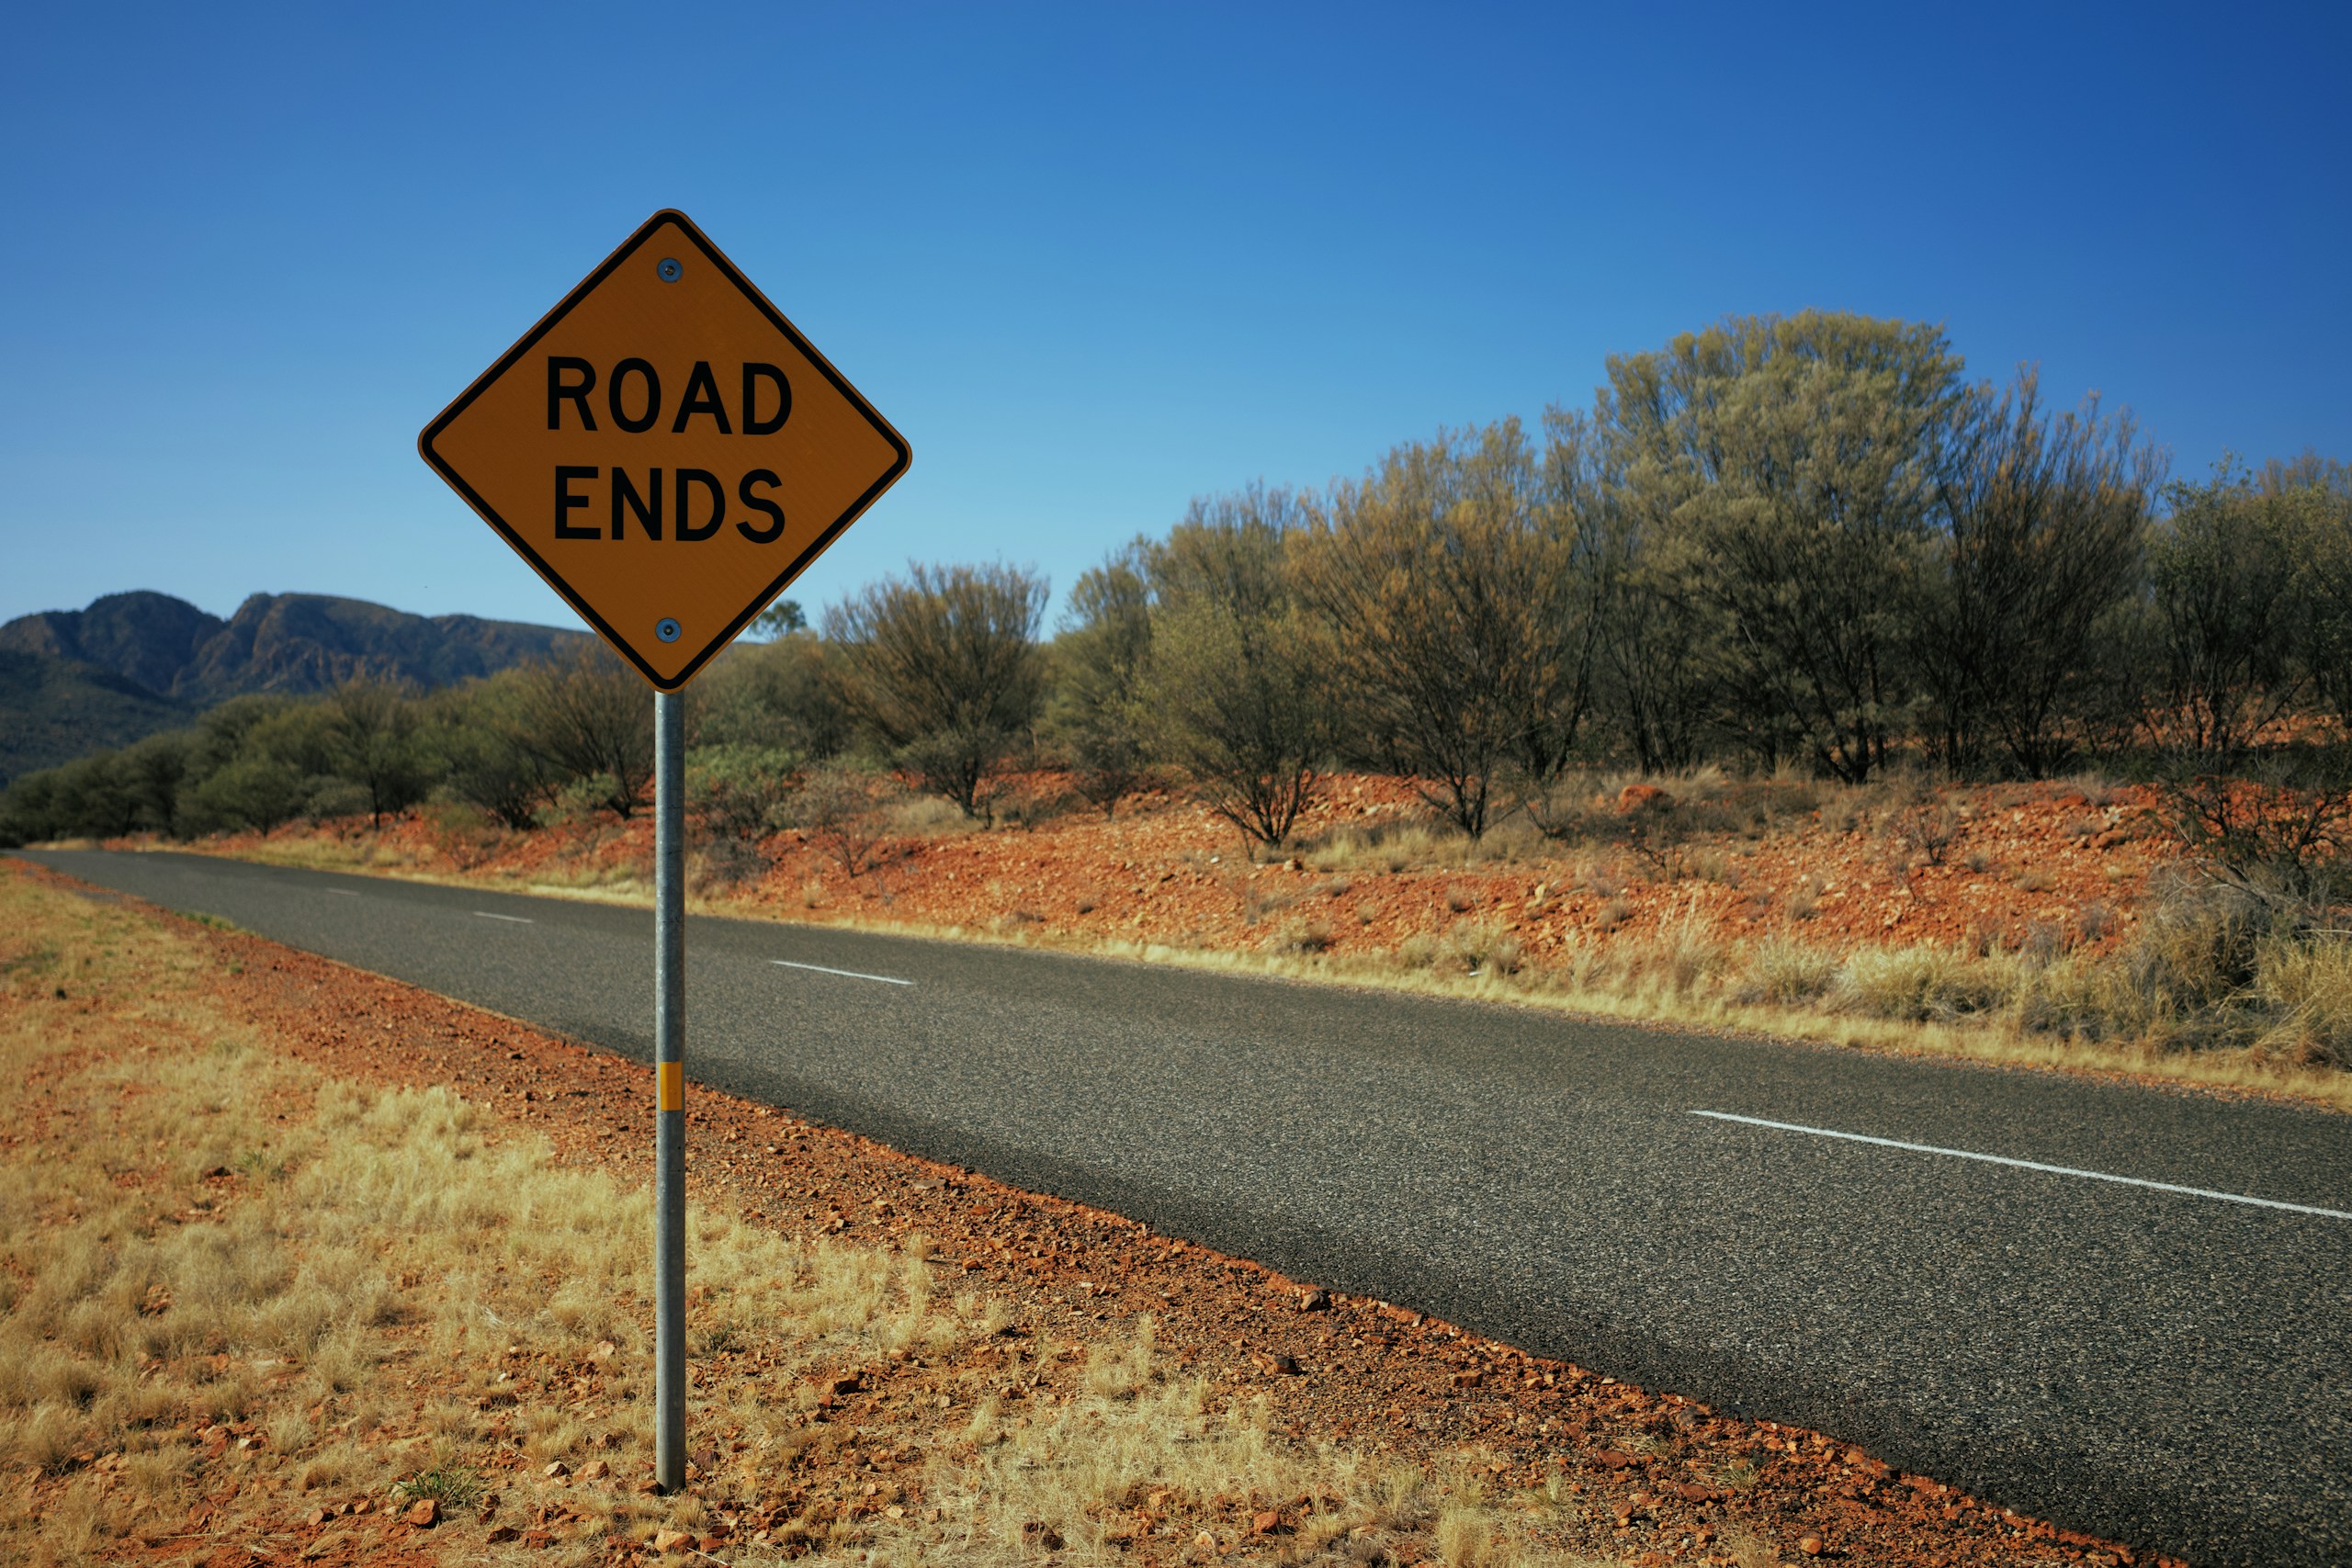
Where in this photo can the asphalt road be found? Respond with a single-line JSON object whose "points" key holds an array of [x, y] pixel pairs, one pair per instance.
{"points": [[2168, 1368]]}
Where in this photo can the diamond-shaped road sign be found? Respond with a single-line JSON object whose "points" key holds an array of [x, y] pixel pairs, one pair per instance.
{"points": [[665, 449]]}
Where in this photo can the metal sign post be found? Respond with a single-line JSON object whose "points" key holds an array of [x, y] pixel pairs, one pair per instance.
{"points": [[670, 1096], [669, 453]]}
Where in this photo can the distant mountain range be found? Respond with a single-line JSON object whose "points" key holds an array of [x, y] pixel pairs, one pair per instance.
{"points": [[77, 681]]}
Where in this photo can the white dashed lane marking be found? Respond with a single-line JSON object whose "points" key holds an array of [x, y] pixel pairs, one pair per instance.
{"points": [[844, 973], [2029, 1165]]}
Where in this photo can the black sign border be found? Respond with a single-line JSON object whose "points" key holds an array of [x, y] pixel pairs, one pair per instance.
{"points": [[711, 253]]}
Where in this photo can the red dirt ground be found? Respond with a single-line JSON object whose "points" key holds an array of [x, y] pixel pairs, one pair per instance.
{"points": [[2021, 863]]}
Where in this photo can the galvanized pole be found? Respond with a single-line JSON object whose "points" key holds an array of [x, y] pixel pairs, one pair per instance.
{"points": [[670, 1092]]}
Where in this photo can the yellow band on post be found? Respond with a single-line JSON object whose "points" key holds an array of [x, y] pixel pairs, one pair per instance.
{"points": [[670, 1086]]}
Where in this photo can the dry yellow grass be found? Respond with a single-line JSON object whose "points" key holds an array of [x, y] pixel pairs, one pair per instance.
{"points": [[233, 1290]]}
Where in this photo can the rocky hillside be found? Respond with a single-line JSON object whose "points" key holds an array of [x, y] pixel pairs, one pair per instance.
{"points": [[73, 680]]}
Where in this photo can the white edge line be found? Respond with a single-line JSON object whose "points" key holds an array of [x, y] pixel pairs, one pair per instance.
{"points": [[518, 920], [2030, 1165], [844, 973], [342, 892]]}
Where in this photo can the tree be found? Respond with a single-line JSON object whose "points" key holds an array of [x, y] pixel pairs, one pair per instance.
{"points": [[1099, 661], [780, 619], [1797, 457], [1239, 686], [781, 695], [476, 733], [588, 715], [257, 761], [1451, 583], [943, 666], [152, 772], [2311, 500], [2225, 614], [1657, 641], [373, 726], [2044, 520]]}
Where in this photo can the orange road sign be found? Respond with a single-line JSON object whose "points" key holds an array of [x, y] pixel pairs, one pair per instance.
{"points": [[665, 449]]}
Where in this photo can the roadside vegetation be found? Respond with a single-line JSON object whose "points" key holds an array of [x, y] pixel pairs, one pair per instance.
{"points": [[1782, 580]]}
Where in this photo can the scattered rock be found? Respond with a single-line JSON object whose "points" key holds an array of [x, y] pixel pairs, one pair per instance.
{"points": [[424, 1513], [1314, 1300], [1636, 797], [1810, 1546], [1268, 1523], [500, 1534], [596, 1470], [556, 1471], [668, 1540]]}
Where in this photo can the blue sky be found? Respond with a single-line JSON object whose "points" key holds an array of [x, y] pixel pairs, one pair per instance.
{"points": [[1094, 260]]}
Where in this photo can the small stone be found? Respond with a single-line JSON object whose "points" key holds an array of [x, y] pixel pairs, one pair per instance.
{"points": [[605, 1352], [537, 1540], [1810, 1546], [710, 1543], [315, 1517], [424, 1513], [1641, 797], [1205, 1541], [596, 1470], [667, 1540], [556, 1471], [500, 1534], [1266, 1523]]}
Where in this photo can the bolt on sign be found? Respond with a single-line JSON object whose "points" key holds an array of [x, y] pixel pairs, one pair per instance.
{"points": [[666, 449]]}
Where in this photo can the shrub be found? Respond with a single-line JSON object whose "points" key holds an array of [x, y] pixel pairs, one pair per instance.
{"points": [[590, 717], [1780, 969], [1296, 935], [1483, 945], [1238, 688], [944, 666], [2305, 983], [2198, 941], [841, 808], [1917, 984]]}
